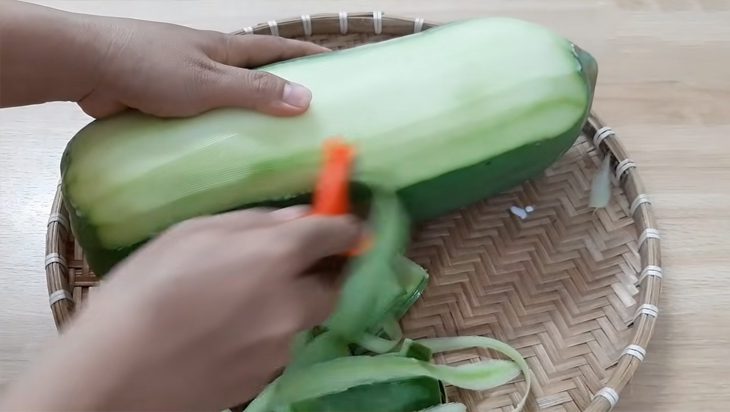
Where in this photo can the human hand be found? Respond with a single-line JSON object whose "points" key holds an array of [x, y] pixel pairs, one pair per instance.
{"points": [[109, 64], [169, 70], [199, 319]]}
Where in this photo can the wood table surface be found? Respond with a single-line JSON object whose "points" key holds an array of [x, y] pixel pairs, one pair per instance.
{"points": [[664, 85]]}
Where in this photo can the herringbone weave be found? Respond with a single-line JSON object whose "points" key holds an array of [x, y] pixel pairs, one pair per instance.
{"points": [[557, 285]]}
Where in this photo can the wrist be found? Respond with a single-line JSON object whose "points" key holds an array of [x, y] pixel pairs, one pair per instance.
{"points": [[47, 54], [89, 367]]}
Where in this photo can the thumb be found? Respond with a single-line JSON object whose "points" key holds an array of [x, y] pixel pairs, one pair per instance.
{"points": [[259, 91]]}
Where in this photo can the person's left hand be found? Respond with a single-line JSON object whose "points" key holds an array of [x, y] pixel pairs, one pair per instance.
{"points": [[110, 64], [171, 71]]}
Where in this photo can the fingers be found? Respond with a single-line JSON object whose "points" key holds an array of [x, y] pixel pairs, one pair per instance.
{"points": [[255, 90], [257, 50], [308, 240], [291, 212], [287, 240], [242, 220]]}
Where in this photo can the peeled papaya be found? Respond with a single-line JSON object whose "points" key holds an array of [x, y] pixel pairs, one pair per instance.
{"points": [[443, 118]]}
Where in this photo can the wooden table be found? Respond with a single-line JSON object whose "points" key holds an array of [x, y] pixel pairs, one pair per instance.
{"points": [[664, 85]]}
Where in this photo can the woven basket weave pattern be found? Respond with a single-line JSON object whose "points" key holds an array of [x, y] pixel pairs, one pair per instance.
{"points": [[573, 289]]}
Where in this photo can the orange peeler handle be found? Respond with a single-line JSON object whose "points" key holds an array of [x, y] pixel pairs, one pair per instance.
{"points": [[331, 194]]}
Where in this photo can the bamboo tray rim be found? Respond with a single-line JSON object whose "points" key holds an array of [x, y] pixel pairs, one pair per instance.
{"points": [[625, 173]]}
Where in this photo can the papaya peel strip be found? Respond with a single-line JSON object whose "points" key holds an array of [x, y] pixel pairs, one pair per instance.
{"points": [[337, 203]]}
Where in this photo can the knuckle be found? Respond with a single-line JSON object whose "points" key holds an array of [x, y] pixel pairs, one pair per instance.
{"points": [[222, 45], [203, 71], [263, 84], [203, 75]]}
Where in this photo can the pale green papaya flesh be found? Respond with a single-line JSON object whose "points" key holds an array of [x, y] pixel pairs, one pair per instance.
{"points": [[444, 118]]}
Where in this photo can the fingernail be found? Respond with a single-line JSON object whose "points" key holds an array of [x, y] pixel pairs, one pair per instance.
{"points": [[296, 95]]}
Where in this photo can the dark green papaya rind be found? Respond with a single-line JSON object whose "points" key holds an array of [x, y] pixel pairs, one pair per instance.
{"points": [[463, 187], [402, 395], [395, 396]]}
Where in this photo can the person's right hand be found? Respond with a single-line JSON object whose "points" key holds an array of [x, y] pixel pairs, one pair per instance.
{"points": [[202, 318]]}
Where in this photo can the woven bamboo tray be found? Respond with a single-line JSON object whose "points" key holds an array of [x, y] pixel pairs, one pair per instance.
{"points": [[574, 289]]}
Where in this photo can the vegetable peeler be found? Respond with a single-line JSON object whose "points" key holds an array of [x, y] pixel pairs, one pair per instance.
{"points": [[331, 195]]}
